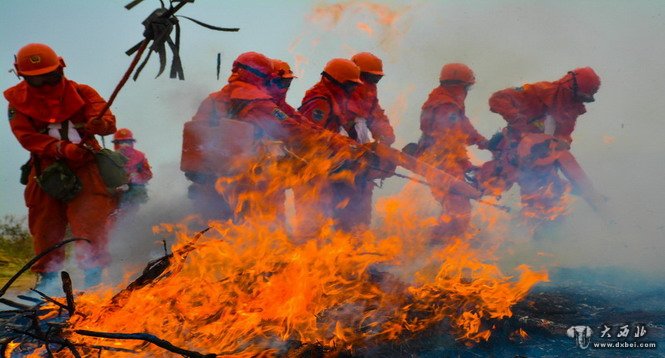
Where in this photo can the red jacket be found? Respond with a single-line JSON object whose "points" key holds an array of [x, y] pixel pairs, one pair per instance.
{"points": [[245, 100], [137, 166], [365, 103], [327, 106], [447, 131], [31, 112], [536, 102]]}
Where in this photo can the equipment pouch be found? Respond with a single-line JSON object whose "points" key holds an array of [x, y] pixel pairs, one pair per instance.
{"points": [[25, 172], [60, 182], [111, 166]]}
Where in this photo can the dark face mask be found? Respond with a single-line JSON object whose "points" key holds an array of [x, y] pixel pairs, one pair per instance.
{"points": [[348, 87], [282, 83], [370, 78], [584, 98], [47, 79]]}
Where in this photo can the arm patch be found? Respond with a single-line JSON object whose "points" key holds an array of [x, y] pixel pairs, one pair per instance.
{"points": [[277, 113], [317, 115]]}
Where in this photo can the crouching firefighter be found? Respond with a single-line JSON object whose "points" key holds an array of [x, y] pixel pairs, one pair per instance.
{"points": [[56, 119]]}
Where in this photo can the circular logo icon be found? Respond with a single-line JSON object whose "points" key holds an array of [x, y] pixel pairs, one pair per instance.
{"points": [[35, 59]]}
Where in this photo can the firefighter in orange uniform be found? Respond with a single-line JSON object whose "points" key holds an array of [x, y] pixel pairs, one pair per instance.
{"points": [[365, 98], [137, 167], [247, 98], [446, 133], [328, 104], [280, 82], [544, 107], [547, 107], [541, 187], [54, 118]]}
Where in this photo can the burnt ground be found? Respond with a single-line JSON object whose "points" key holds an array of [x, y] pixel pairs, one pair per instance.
{"points": [[597, 298]]}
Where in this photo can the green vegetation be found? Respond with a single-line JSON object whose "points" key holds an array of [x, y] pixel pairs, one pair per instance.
{"points": [[15, 248]]}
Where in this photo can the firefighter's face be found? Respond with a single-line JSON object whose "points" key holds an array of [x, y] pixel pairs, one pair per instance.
{"points": [[583, 97], [349, 86], [282, 83], [47, 79]]}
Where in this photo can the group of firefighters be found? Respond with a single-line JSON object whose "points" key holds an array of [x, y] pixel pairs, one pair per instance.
{"points": [[245, 145]]}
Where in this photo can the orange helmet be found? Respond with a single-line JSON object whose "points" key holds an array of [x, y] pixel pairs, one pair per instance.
{"points": [[457, 72], [123, 134], [343, 70], [281, 69], [255, 63], [587, 80], [37, 59], [368, 63]]}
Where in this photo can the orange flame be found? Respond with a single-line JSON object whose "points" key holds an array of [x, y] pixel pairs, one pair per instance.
{"points": [[247, 288], [386, 18]]}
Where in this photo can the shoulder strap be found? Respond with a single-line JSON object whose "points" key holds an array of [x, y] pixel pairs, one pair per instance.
{"points": [[34, 158]]}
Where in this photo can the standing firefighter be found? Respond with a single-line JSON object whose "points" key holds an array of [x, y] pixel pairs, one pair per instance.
{"points": [[222, 140], [282, 76], [446, 133], [329, 104], [546, 113], [137, 167], [55, 119], [370, 123]]}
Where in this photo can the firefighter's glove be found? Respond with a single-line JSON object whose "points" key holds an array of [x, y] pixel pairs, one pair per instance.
{"points": [[96, 126], [75, 154], [377, 167]]}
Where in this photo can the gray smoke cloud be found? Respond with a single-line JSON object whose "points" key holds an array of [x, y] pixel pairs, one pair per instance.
{"points": [[506, 43]]}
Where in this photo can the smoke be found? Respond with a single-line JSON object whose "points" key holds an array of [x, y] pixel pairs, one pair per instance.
{"points": [[506, 43], [132, 242]]}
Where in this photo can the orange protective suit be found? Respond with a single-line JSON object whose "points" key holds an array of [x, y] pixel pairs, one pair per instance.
{"points": [[329, 106], [446, 132], [139, 171], [549, 108], [536, 102], [542, 190], [31, 111], [245, 98], [365, 104]]}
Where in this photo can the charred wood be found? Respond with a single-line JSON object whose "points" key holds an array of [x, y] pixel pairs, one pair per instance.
{"points": [[148, 338]]}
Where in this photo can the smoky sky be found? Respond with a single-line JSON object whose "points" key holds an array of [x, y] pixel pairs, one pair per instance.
{"points": [[619, 141]]}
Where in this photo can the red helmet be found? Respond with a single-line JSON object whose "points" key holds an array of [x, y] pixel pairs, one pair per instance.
{"points": [[588, 81], [281, 69], [255, 63], [37, 59], [343, 70], [457, 72], [368, 63], [123, 134]]}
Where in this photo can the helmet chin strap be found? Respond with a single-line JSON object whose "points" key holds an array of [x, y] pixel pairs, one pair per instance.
{"points": [[575, 86]]}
